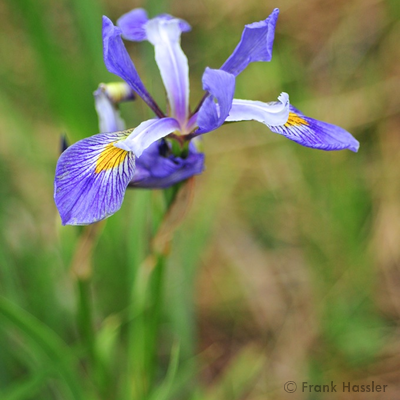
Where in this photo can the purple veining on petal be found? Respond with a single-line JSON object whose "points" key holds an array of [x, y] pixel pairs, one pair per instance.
{"points": [[118, 62], [85, 193], [255, 45], [316, 134], [221, 87]]}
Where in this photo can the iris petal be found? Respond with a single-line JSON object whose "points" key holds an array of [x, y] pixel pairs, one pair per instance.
{"points": [[109, 116], [118, 62], [132, 25], [275, 113], [147, 133], [165, 33], [310, 132], [255, 45], [91, 179], [221, 86], [157, 170]]}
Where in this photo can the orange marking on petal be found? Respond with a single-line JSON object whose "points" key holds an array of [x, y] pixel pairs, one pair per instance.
{"points": [[110, 158], [295, 120]]}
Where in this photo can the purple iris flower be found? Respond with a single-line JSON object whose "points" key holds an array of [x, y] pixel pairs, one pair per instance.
{"points": [[158, 167], [93, 174]]}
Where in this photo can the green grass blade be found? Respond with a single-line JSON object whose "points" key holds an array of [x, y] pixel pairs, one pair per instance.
{"points": [[45, 341]]}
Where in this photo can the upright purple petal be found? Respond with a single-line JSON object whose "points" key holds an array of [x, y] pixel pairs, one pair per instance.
{"points": [[310, 132], [159, 168], [255, 45], [118, 62], [221, 87], [274, 113], [147, 133], [91, 179], [132, 25], [165, 34]]}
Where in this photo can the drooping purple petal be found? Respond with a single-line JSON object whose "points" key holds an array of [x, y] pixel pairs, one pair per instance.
{"points": [[165, 34], [147, 133], [91, 179], [275, 113], [255, 45], [118, 62], [310, 132], [132, 24], [158, 168], [107, 97], [221, 87]]}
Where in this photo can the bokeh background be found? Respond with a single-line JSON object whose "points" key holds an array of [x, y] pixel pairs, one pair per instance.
{"points": [[287, 264]]}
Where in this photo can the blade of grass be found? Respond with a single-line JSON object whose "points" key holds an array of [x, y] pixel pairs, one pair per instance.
{"points": [[46, 341], [26, 388], [164, 390], [136, 380]]}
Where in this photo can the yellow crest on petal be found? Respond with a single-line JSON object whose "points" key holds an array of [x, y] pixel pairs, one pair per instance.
{"points": [[295, 120], [110, 157]]}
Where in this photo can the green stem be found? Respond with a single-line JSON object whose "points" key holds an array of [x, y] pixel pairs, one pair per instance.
{"points": [[147, 280], [85, 320], [156, 286], [136, 384], [96, 368]]}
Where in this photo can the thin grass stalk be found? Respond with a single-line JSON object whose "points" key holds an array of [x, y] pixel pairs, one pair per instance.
{"points": [[47, 341], [85, 319], [156, 286], [136, 381], [81, 269]]}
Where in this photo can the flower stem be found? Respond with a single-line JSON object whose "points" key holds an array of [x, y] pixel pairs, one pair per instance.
{"points": [[137, 380], [85, 319]]}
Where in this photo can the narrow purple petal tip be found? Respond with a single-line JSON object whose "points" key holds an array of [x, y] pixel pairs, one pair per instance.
{"points": [[118, 62], [132, 25], [255, 45]]}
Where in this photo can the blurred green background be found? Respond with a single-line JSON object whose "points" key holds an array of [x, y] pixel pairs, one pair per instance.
{"points": [[287, 264]]}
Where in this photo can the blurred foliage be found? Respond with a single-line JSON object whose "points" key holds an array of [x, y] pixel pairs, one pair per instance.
{"points": [[287, 264]]}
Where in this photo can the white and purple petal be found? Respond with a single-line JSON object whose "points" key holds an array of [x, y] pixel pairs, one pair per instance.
{"points": [[107, 97], [133, 23], [118, 62], [274, 113], [221, 87], [310, 132], [165, 34], [147, 133], [91, 178], [255, 45]]}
